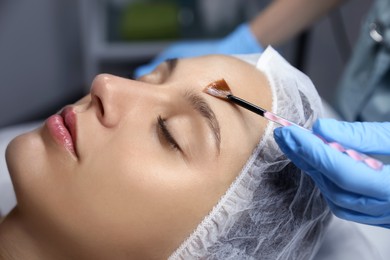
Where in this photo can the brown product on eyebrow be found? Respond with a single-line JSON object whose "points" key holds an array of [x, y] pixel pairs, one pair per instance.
{"points": [[219, 89], [200, 105]]}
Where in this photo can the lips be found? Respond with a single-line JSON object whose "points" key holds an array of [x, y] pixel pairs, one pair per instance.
{"points": [[69, 117], [63, 128]]}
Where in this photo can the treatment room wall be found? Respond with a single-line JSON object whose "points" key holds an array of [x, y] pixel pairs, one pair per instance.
{"points": [[40, 67], [41, 59]]}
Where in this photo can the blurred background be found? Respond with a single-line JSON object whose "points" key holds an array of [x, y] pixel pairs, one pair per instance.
{"points": [[50, 50]]}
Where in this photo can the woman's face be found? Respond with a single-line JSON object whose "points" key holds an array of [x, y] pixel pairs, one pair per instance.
{"points": [[151, 158]]}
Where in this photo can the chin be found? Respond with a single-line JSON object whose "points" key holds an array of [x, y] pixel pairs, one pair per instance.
{"points": [[24, 159]]}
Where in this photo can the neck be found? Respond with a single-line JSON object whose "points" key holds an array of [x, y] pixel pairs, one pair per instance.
{"points": [[16, 242]]}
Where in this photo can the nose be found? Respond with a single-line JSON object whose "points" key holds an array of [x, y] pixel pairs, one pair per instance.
{"points": [[113, 97]]}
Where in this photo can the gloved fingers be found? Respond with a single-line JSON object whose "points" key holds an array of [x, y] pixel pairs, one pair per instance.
{"points": [[366, 137], [307, 168], [352, 215], [345, 204], [240, 41], [356, 177], [292, 140], [297, 159], [352, 201], [321, 182], [347, 200], [290, 153], [348, 174]]}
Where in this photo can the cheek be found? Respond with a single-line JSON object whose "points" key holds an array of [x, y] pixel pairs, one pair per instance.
{"points": [[133, 178], [145, 198]]}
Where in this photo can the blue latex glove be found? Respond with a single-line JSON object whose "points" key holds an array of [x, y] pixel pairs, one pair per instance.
{"points": [[240, 41], [353, 190]]}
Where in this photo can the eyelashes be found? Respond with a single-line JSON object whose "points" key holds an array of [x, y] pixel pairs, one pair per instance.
{"points": [[164, 133]]}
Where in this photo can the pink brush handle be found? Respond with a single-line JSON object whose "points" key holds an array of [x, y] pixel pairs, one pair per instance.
{"points": [[371, 162]]}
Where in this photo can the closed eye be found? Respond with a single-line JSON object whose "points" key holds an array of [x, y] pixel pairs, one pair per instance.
{"points": [[166, 135]]}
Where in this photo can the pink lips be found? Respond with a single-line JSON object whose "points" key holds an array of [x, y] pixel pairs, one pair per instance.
{"points": [[63, 128]]}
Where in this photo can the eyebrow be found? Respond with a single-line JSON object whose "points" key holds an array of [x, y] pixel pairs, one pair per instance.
{"points": [[199, 104]]}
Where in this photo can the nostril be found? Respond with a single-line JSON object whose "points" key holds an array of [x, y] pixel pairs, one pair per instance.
{"points": [[99, 105]]}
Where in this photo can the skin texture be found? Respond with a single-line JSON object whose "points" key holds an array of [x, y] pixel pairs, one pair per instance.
{"points": [[130, 194]]}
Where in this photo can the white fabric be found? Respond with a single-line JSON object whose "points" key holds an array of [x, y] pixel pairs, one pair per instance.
{"points": [[344, 240], [272, 210]]}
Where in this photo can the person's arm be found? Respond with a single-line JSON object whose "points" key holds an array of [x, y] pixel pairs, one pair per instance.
{"points": [[279, 21], [283, 19]]}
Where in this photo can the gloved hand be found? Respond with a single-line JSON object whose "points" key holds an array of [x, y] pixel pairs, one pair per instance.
{"points": [[353, 190], [240, 41]]}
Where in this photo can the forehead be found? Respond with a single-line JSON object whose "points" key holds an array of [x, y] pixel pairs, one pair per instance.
{"points": [[219, 65], [244, 79]]}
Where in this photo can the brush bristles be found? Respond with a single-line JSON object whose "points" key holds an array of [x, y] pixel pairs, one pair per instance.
{"points": [[219, 89]]}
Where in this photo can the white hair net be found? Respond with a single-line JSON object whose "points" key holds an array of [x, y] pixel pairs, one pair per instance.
{"points": [[272, 210]]}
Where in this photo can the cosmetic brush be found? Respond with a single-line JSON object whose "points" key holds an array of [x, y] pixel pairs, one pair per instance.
{"points": [[220, 89]]}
